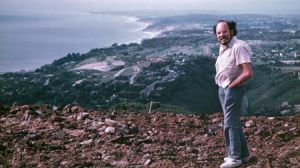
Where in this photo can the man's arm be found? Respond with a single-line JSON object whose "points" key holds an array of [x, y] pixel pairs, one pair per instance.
{"points": [[244, 76]]}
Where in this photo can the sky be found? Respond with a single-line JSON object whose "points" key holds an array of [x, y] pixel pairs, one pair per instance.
{"points": [[240, 6]]}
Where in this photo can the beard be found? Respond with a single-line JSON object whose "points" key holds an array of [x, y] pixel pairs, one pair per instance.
{"points": [[224, 40]]}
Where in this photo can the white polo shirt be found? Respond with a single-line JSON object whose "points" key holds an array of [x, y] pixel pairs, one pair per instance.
{"points": [[236, 52]]}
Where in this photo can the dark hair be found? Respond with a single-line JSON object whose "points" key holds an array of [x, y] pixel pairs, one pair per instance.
{"points": [[231, 25]]}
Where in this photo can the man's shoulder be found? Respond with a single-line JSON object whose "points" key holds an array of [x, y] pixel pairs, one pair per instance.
{"points": [[240, 43]]}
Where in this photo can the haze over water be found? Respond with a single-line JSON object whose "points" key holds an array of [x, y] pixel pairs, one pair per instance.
{"points": [[34, 38]]}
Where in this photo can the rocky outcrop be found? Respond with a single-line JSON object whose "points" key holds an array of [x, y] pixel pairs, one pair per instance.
{"points": [[47, 136], [289, 109]]}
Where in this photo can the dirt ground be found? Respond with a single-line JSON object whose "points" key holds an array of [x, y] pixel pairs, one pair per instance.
{"points": [[47, 136]]}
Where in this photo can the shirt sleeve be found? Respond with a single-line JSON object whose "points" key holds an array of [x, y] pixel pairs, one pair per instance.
{"points": [[243, 55]]}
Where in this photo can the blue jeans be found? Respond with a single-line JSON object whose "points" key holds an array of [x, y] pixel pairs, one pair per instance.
{"points": [[231, 101]]}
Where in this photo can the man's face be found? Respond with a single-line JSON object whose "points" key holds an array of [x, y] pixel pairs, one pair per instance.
{"points": [[223, 33]]}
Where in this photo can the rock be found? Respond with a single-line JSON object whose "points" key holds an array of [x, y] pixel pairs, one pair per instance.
{"points": [[24, 108], [110, 130], [91, 129], [54, 108], [26, 115], [39, 112], [293, 129], [260, 131], [82, 116], [75, 109], [124, 129], [64, 163], [67, 109], [120, 164], [102, 128], [285, 112], [191, 149], [297, 108], [108, 159], [122, 139], [76, 133], [187, 140], [110, 122], [60, 134], [87, 142], [249, 123], [147, 156], [285, 135], [57, 118], [147, 162], [214, 120], [133, 129], [285, 105]]}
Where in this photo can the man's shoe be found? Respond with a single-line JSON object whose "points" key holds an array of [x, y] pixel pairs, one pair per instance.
{"points": [[231, 163], [244, 160]]}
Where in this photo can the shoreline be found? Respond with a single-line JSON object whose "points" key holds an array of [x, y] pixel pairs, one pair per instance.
{"points": [[133, 32], [142, 25]]}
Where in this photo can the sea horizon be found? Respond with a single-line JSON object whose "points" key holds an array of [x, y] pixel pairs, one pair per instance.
{"points": [[31, 39]]}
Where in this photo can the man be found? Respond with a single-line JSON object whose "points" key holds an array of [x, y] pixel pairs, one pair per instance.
{"points": [[233, 69]]}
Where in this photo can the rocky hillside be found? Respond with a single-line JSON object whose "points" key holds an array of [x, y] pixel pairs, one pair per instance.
{"points": [[47, 136]]}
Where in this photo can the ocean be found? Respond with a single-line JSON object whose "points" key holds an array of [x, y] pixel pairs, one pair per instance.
{"points": [[30, 39]]}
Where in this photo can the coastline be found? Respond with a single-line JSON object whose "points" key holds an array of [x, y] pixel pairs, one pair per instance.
{"points": [[142, 25], [78, 33]]}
